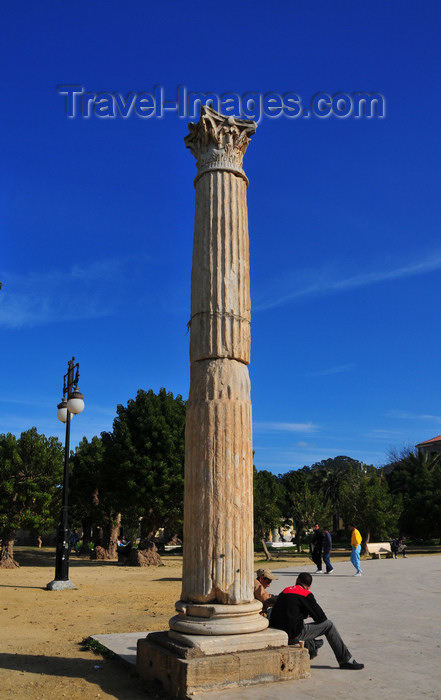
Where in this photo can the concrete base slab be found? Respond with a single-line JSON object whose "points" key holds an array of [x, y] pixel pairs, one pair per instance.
{"points": [[123, 645], [228, 643], [61, 585], [183, 671]]}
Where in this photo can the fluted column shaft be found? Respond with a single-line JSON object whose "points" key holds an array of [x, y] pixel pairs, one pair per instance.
{"points": [[220, 278], [218, 509]]}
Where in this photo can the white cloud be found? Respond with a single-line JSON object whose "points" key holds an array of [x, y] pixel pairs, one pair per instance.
{"points": [[41, 298], [331, 370], [385, 436], [329, 280], [285, 427], [415, 416], [25, 402]]}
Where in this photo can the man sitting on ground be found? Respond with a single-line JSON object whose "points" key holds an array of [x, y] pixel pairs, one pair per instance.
{"points": [[263, 580], [293, 606]]}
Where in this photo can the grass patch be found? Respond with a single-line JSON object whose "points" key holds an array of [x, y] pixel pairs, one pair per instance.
{"points": [[89, 644]]}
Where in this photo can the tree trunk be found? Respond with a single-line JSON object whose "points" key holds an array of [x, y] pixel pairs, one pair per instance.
{"points": [[145, 555], [87, 536], [97, 536], [265, 549], [298, 540], [7, 550], [364, 544], [148, 529], [110, 539]]}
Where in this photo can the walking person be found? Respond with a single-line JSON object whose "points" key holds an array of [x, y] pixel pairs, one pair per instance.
{"points": [[74, 539], [317, 545], [327, 549], [293, 606], [356, 549]]}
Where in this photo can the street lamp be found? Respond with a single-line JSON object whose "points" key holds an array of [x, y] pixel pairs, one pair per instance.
{"points": [[71, 403]]}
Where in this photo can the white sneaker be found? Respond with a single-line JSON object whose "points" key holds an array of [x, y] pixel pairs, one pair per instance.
{"points": [[319, 571], [330, 572], [357, 574]]}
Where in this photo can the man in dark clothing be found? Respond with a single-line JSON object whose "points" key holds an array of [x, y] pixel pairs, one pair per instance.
{"points": [[317, 544], [74, 538], [293, 606], [327, 548], [397, 547]]}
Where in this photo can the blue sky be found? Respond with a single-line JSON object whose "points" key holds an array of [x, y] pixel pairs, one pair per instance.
{"points": [[96, 217]]}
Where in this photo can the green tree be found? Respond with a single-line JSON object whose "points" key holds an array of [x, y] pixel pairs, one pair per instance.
{"points": [[144, 456], [369, 504], [86, 491], [268, 497], [401, 468], [416, 475], [301, 502], [329, 478], [31, 471]]}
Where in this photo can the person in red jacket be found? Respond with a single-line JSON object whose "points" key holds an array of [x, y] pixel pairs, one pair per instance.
{"points": [[293, 606]]}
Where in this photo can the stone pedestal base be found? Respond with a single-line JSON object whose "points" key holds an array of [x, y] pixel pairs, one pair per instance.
{"points": [[217, 619], [184, 669], [60, 585]]}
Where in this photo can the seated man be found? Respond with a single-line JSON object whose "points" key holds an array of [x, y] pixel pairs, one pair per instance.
{"points": [[293, 606], [397, 547], [263, 580], [401, 548]]}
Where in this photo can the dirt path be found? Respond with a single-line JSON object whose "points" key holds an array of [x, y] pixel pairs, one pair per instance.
{"points": [[41, 631]]}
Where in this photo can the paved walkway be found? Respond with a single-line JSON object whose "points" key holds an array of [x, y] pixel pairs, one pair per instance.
{"points": [[390, 619]]}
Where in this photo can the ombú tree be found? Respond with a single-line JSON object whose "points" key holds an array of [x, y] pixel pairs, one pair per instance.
{"points": [[330, 479], [368, 503], [268, 500], [302, 503], [144, 462], [87, 491], [31, 471]]}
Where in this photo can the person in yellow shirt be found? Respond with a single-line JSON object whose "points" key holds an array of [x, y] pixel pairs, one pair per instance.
{"points": [[356, 549]]}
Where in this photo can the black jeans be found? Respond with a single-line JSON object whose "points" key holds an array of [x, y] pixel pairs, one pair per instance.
{"points": [[317, 558]]}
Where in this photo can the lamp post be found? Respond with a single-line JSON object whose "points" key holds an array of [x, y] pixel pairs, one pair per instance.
{"points": [[71, 403]]}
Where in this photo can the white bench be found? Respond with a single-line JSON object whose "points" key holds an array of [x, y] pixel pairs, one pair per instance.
{"points": [[379, 548]]}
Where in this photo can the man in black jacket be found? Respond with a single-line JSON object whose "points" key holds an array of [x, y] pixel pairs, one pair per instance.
{"points": [[317, 544], [293, 606]]}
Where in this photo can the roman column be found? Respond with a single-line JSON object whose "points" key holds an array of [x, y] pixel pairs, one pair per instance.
{"points": [[218, 639], [218, 563]]}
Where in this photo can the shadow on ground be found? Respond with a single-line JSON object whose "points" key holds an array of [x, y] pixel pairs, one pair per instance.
{"points": [[44, 558], [107, 674], [178, 578]]}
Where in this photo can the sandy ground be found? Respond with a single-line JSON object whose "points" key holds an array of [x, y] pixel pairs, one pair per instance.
{"points": [[41, 631]]}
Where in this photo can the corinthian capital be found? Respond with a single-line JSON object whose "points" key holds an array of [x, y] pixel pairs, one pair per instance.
{"points": [[219, 142]]}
